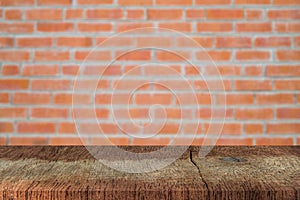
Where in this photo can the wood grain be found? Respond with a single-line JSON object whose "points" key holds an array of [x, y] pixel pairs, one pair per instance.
{"points": [[44, 172]]}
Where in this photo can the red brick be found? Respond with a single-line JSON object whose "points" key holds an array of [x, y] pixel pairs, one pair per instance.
{"points": [[16, 28], [14, 55], [288, 113], [6, 42], [135, 2], [254, 114], [174, 2], [194, 13], [283, 70], [134, 55], [274, 141], [212, 2], [164, 14], [40, 70], [6, 127], [13, 14], [286, 2], [74, 14], [162, 55], [111, 70], [283, 14], [272, 41], [287, 84], [68, 99], [14, 84], [2, 141], [227, 128], [154, 41], [55, 27], [135, 14], [10, 70], [287, 27], [234, 141], [252, 55], [44, 84], [94, 2], [16, 3], [74, 41], [27, 141], [67, 127], [49, 113], [254, 14], [192, 70], [67, 141], [288, 55], [34, 42], [224, 70], [235, 99], [253, 70], [85, 113], [195, 42], [116, 98], [92, 56], [13, 112], [161, 71], [54, 2], [153, 98], [296, 41], [214, 55], [94, 27], [86, 84], [104, 14], [254, 2], [253, 128], [125, 26], [286, 128], [177, 26], [253, 85], [4, 98], [150, 141], [115, 42], [70, 69], [274, 99], [254, 27], [51, 55], [233, 42], [224, 14], [104, 128], [31, 98], [215, 85], [215, 113], [43, 14], [214, 27]]}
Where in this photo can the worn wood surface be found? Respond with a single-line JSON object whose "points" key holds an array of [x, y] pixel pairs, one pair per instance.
{"points": [[225, 173]]}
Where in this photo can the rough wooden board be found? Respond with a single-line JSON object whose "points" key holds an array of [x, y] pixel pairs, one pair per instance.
{"points": [[266, 173], [71, 173]]}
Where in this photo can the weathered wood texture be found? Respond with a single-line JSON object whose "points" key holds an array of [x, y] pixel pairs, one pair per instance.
{"points": [[225, 173]]}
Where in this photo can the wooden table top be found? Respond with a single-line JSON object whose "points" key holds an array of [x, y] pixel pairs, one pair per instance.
{"points": [[60, 172]]}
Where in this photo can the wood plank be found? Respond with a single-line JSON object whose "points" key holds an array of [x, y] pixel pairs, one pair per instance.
{"points": [[251, 172], [72, 173], [225, 173]]}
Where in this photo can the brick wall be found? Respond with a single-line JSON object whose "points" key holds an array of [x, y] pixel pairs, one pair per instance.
{"points": [[254, 45]]}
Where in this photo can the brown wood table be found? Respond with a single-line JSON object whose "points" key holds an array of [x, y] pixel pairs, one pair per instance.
{"points": [[48, 172]]}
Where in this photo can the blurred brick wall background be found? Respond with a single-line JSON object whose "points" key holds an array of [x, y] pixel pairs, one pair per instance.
{"points": [[254, 43]]}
